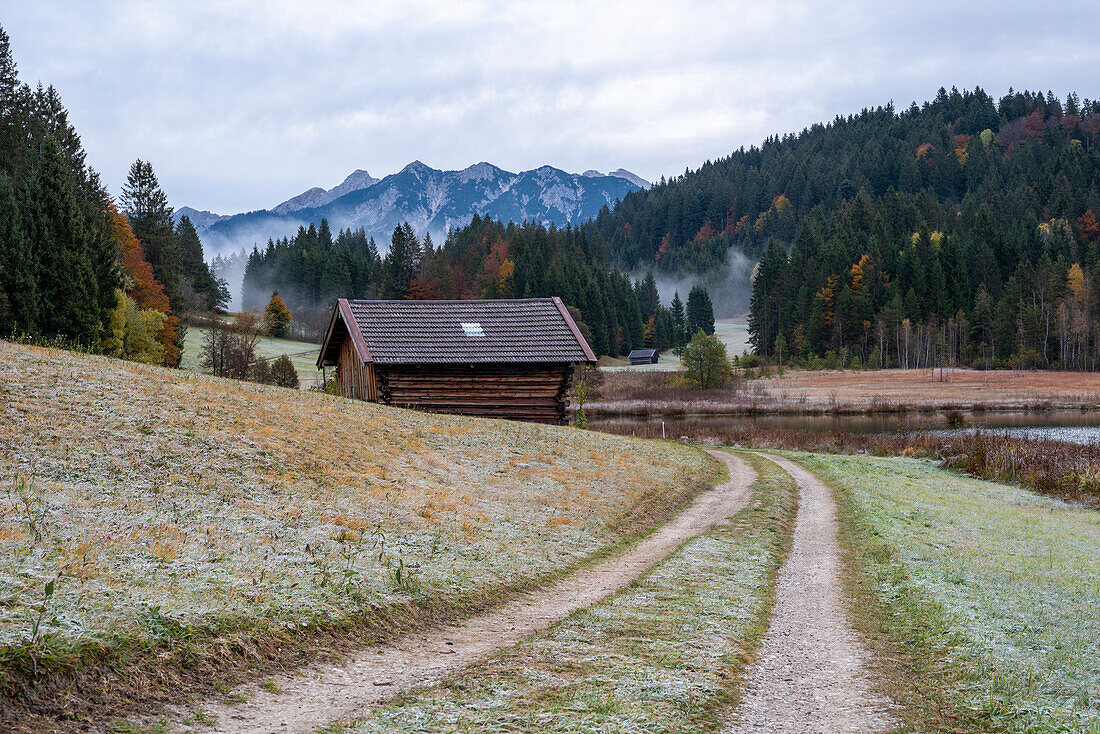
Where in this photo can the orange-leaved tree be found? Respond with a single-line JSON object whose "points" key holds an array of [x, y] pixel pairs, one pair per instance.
{"points": [[142, 286], [277, 316]]}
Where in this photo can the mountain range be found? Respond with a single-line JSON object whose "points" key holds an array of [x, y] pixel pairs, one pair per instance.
{"points": [[431, 200]]}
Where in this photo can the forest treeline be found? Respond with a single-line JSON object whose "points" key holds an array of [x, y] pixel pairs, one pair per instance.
{"points": [[76, 266], [962, 231], [485, 259]]}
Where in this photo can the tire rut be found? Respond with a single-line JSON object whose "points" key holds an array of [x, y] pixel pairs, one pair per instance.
{"points": [[811, 673], [319, 695]]}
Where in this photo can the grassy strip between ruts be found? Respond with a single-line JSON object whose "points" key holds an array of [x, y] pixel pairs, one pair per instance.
{"points": [[982, 601], [666, 654]]}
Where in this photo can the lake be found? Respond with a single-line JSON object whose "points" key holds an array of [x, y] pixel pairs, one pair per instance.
{"points": [[1074, 426]]}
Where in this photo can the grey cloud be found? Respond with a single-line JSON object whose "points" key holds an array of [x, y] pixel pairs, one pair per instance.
{"points": [[240, 105]]}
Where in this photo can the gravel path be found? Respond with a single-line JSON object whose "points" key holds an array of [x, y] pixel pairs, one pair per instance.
{"points": [[810, 674], [323, 694]]}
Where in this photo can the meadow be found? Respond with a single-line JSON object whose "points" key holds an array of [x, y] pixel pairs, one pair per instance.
{"points": [[302, 354], [166, 528], [1062, 469]]}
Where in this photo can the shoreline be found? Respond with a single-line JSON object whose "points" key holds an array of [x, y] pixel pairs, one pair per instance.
{"points": [[688, 410]]}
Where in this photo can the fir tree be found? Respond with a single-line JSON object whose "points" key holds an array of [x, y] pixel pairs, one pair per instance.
{"points": [[700, 311], [146, 206], [679, 323], [18, 268]]}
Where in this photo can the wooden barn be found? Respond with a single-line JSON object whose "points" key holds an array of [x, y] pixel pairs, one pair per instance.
{"points": [[643, 356], [499, 358]]}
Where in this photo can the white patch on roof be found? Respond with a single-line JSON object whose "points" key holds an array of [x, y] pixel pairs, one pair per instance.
{"points": [[472, 329]]}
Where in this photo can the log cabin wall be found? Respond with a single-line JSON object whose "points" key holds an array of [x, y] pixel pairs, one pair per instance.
{"points": [[517, 391], [355, 379]]}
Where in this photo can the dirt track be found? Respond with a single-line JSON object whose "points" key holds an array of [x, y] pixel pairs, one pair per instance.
{"points": [[324, 694], [810, 674]]}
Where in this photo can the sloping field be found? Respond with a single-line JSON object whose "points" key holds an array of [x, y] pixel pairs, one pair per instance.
{"points": [[984, 598], [171, 527]]}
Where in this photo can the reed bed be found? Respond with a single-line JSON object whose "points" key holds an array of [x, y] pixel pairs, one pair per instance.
{"points": [[763, 391]]}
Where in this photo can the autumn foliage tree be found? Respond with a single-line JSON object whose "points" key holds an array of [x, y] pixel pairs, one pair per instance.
{"points": [[277, 317], [143, 289]]}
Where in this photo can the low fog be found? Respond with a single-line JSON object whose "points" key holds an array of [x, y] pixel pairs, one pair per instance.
{"points": [[729, 287]]}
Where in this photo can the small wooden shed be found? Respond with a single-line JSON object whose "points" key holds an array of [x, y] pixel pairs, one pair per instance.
{"points": [[505, 358], [643, 356]]}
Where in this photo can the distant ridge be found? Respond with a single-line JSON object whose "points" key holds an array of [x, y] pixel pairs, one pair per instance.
{"points": [[623, 174], [433, 201], [358, 179]]}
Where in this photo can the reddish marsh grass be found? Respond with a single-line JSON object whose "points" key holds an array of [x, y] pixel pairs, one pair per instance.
{"points": [[846, 392]]}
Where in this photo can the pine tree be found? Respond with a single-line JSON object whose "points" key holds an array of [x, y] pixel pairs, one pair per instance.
{"points": [[18, 267], [700, 311], [146, 206], [679, 323]]}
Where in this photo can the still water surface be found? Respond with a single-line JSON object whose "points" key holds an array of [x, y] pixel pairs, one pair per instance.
{"points": [[1074, 426]]}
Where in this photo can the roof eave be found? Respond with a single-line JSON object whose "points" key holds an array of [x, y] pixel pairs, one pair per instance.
{"points": [[343, 312], [354, 331], [590, 356]]}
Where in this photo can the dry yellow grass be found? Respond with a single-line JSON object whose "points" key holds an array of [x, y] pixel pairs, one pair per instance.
{"points": [[204, 499]]}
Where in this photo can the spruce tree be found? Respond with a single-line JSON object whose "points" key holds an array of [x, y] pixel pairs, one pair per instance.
{"points": [[18, 268], [67, 283], [649, 302], [11, 144], [402, 262], [146, 206], [700, 311], [211, 294], [679, 323]]}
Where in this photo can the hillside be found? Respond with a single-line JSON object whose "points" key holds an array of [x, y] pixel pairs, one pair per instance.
{"points": [[1003, 166], [172, 527], [431, 200]]}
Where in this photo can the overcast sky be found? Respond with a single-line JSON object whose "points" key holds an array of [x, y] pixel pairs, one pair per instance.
{"points": [[242, 105]]}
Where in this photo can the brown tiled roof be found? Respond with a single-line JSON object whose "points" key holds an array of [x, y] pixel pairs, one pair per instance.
{"points": [[441, 332]]}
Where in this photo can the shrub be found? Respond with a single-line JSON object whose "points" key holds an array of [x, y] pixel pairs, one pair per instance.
{"points": [[261, 372], [705, 362], [283, 373]]}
